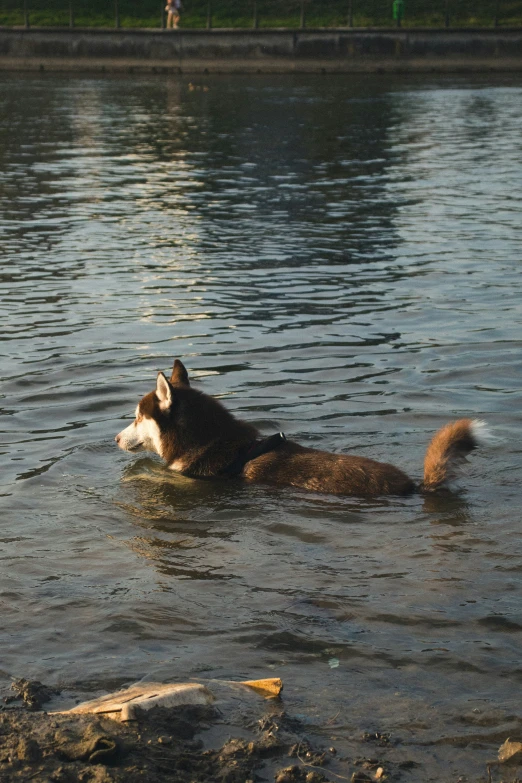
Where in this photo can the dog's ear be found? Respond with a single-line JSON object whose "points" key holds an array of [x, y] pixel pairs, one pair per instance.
{"points": [[179, 374], [163, 392]]}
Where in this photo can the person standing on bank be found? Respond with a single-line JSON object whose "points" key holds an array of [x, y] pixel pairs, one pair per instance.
{"points": [[173, 9]]}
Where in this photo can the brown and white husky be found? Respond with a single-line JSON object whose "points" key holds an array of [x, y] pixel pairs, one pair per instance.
{"points": [[198, 437]]}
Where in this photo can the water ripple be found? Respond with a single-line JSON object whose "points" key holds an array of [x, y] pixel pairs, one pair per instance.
{"points": [[340, 260]]}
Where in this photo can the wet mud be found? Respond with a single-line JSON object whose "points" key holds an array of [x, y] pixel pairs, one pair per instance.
{"points": [[240, 739], [160, 747], [246, 739]]}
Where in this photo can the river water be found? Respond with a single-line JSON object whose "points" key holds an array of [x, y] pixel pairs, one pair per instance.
{"points": [[335, 257]]}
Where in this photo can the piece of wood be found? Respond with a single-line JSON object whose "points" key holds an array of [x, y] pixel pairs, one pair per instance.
{"points": [[123, 704], [269, 687]]}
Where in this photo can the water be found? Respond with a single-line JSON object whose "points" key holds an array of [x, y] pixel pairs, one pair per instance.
{"points": [[338, 258]]}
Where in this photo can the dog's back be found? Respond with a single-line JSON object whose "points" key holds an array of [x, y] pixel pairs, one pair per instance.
{"points": [[339, 474]]}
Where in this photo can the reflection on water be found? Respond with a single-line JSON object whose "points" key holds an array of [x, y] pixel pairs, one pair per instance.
{"points": [[338, 260]]}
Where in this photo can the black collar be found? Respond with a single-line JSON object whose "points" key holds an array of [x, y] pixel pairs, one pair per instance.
{"points": [[250, 452]]}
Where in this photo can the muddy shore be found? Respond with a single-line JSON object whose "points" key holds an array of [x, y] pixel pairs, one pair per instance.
{"points": [[244, 739]]}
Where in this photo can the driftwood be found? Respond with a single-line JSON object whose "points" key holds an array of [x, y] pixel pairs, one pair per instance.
{"points": [[124, 704], [269, 688], [145, 696]]}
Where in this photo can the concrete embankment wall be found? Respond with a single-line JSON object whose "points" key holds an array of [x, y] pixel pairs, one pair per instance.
{"points": [[262, 51]]}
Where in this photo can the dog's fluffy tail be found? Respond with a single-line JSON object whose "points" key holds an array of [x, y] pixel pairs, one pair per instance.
{"points": [[448, 449]]}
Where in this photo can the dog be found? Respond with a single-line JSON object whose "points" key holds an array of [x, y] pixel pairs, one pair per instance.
{"points": [[199, 438]]}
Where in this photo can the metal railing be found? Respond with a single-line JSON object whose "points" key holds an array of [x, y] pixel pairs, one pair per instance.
{"points": [[215, 14]]}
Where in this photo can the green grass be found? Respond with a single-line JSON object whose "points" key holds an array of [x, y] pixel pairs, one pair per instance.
{"points": [[271, 13]]}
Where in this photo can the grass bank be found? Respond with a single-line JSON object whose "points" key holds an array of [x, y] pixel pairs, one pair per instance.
{"points": [[269, 13]]}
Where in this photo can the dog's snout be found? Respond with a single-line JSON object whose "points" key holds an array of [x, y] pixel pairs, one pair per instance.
{"points": [[117, 438]]}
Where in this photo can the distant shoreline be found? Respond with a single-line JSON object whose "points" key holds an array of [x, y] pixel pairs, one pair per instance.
{"points": [[342, 50]]}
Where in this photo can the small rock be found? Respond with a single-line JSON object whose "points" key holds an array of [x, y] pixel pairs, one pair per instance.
{"points": [[315, 777], [510, 751], [33, 693]]}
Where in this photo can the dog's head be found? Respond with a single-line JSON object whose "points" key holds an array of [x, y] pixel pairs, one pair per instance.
{"points": [[176, 421]]}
